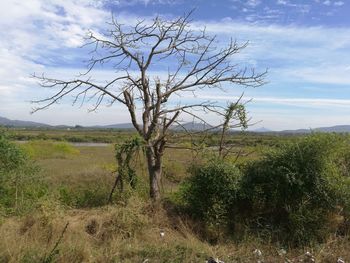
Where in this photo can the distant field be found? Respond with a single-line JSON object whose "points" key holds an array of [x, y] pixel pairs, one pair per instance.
{"points": [[115, 135], [74, 135]]}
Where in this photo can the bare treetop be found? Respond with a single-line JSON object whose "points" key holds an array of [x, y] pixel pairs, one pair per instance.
{"points": [[193, 61]]}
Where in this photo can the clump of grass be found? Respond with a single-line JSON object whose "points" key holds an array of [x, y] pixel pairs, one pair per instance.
{"points": [[44, 149]]}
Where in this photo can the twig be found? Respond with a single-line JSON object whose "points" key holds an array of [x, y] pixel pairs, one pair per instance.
{"points": [[48, 259]]}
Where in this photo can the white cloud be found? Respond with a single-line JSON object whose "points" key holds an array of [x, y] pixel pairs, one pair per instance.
{"points": [[282, 2], [339, 3], [142, 2], [324, 74], [316, 54], [33, 30], [300, 102], [253, 3]]}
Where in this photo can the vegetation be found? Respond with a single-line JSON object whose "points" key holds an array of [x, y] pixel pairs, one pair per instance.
{"points": [[292, 195], [124, 155], [71, 135], [293, 191], [211, 193], [21, 186]]}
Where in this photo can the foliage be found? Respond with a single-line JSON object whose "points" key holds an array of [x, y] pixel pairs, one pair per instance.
{"points": [[234, 112], [125, 154], [290, 194], [20, 182], [237, 112], [11, 156], [211, 192], [292, 191]]}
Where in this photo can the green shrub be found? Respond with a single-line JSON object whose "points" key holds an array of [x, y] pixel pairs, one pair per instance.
{"points": [[291, 194], [210, 194], [343, 190], [292, 191], [20, 183]]}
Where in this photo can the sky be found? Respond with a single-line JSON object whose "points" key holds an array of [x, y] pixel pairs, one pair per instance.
{"points": [[304, 45]]}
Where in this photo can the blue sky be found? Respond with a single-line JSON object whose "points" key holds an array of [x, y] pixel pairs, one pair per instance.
{"points": [[305, 45]]}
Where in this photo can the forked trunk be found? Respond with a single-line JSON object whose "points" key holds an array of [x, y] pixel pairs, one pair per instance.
{"points": [[154, 164]]}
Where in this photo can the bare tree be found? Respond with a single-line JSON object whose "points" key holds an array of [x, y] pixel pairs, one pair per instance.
{"points": [[193, 60]]}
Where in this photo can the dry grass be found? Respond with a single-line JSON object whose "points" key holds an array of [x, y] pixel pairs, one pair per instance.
{"points": [[91, 164], [131, 233]]}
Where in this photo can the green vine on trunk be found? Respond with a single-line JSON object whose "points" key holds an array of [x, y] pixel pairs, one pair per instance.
{"points": [[124, 154]]}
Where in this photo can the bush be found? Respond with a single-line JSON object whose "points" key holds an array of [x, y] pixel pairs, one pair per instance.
{"points": [[295, 193], [210, 194], [20, 183], [294, 190]]}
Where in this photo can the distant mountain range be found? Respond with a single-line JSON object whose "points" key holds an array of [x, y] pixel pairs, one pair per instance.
{"points": [[190, 126], [262, 129], [193, 126], [16, 123], [337, 129], [30, 124]]}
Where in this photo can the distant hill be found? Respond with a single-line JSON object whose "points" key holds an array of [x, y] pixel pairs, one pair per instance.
{"points": [[262, 130], [337, 129], [192, 126], [301, 131], [30, 124], [17, 123]]}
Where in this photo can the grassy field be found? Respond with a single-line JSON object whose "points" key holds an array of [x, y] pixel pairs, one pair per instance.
{"points": [[79, 180]]}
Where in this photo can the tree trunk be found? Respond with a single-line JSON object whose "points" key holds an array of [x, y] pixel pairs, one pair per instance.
{"points": [[154, 165]]}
